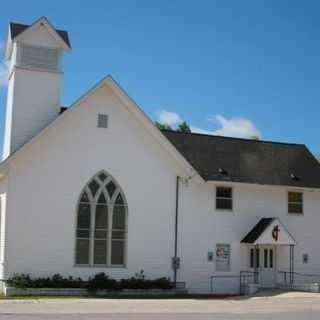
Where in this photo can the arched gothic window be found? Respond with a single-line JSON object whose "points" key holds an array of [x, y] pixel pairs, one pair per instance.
{"points": [[101, 223]]}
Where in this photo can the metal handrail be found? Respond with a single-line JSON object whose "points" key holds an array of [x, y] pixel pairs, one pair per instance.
{"points": [[220, 277], [299, 274], [243, 277]]}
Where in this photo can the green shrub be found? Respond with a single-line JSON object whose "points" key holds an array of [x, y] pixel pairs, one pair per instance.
{"points": [[163, 283], [56, 281], [20, 281], [140, 282], [100, 281]]}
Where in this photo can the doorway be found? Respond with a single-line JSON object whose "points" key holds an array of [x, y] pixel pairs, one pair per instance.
{"points": [[264, 261], [267, 268]]}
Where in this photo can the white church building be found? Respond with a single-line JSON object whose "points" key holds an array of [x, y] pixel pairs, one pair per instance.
{"points": [[97, 187]]}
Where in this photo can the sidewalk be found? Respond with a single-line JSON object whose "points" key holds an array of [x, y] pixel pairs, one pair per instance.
{"points": [[263, 303], [277, 293]]}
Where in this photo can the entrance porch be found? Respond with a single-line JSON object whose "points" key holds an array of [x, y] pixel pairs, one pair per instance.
{"points": [[266, 243]]}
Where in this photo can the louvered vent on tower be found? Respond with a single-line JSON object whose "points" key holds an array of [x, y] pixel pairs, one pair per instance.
{"points": [[39, 57]]}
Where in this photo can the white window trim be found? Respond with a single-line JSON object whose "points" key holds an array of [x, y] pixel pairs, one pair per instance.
{"points": [[232, 198], [287, 205], [93, 201]]}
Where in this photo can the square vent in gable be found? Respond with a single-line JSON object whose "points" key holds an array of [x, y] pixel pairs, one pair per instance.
{"points": [[103, 120]]}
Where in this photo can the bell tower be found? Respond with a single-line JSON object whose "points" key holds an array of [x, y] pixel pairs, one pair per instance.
{"points": [[34, 54]]}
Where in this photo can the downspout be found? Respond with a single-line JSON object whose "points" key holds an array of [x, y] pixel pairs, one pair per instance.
{"points": [[175, 264]]}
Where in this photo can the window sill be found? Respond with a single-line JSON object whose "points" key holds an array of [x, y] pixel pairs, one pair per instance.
{"points": [[224, 210]]}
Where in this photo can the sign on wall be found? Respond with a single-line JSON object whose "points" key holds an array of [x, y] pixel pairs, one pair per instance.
{"points": [[223, 252]]}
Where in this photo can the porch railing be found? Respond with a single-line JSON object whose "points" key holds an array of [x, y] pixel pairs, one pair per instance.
{"points": [[247, 278], [244, 277], [298, 278]]}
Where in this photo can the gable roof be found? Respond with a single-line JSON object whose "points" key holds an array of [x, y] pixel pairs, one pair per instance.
{"points": [[134, 109], [17, 28], [257, 230], [218, 158], [263, 233]]}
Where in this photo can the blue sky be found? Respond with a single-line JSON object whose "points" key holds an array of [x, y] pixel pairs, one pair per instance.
{"points": [[226, 67]]}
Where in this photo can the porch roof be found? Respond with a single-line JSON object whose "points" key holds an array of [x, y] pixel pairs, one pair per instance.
{"points": [[269, 231]]}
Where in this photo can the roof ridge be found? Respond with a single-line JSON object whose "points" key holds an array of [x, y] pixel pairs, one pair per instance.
{"points": [[233, 138], [29, 25], [22, 26]]}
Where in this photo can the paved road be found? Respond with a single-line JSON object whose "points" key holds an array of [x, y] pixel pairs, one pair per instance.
{"points": [[180, 316], [287, 316], [280, 307]]}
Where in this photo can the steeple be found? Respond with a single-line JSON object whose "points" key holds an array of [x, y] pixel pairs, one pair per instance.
{"points": [[34, 53]]}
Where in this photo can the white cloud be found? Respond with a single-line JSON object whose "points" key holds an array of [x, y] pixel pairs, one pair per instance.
{"points": [[235, 127], [170, 118], [230, 127], [3, 68]]}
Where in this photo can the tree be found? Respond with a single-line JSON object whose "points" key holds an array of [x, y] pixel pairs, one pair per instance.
{"points": [[184, 127], [255, 138], [162, 126]]}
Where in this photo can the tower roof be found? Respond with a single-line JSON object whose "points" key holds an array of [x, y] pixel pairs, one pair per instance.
{"points": [[17, 28]]}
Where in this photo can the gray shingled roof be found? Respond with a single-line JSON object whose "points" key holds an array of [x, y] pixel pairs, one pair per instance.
{"points": [[17, 28], [248, 161]]}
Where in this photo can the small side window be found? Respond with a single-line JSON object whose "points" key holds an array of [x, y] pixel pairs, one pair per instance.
{"points": [[224, 198], [251, 258], [305, 258], [265, 258], [295, 202], [254, 258], [258, 258], [270, 258]]}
